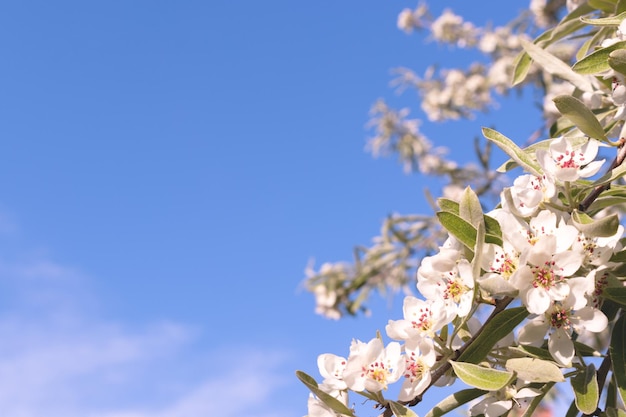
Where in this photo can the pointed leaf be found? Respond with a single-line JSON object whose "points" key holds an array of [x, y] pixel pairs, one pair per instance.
{"points": [[454, 401], [576, 111], [617, 60], [511, 149], [535, 370], [326, 398], [500, 326], [618, 355], [597, 61], [481, 377], [470, 209], [585, 387], [400, 410], [604, 227], [555, 66], [459, 228]]}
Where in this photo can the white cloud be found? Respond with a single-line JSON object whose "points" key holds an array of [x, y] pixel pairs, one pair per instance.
{"points": [[60, 359]]}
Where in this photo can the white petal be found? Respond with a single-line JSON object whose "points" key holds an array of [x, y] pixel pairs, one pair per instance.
{"points": [[533, 332], [561, 347]]}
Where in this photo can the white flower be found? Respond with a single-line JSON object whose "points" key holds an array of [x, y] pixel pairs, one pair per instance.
{"points": [[561, 319], [542, 280], [331, 368], [421, 319], [565, 163], [527, 192], [420, 356], [455, 286], [371, 366]]}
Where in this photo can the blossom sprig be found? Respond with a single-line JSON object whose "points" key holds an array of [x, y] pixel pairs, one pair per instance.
{"points": [[548, 260]]}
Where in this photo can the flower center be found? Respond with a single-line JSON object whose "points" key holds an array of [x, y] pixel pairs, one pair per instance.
{"points": [[414, 368], [545, 277], [454, 290], [377, 372], [560, 318], [567, 160]]}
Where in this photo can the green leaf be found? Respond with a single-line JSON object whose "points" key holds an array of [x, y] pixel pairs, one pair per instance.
{"points": [[615, 412], [576, 111], [605, 5], [481, 377], [554, 65], [500, 326], [617, 61], [605, 21], [400, 410], [615, 294], [459, 228], [533, 352], [326, 398], [604, 227], [454, 401], [585, 387], [470, 209], [535, 370], [618, 355], [511, 149], [597, 61], [493, 231]]}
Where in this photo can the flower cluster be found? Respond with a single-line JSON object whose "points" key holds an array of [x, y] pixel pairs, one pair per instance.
{"points": [[544, 257], [532, 292]]}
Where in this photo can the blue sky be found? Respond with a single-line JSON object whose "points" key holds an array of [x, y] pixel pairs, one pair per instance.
{"points": [[167, 170]]}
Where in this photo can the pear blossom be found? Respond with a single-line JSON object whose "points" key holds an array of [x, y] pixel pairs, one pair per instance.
{"points": [[331, 367], [598, 250], [455, 286], [565, 163], [543, 279], [420, 356], [500, 262], [372, 366], [527, 193], [560, 320], [421, 319]]}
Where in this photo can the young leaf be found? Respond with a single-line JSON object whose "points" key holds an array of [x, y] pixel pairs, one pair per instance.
{"points": [[500, 326], [511, 149], [618, 355], [480, 377], [597, 61], [576, 111], [555, 66], [535, 370], [400, 410], [470, 209], [326, 398], [455, 400], [585, 387], [604, 227], [459, 228]]}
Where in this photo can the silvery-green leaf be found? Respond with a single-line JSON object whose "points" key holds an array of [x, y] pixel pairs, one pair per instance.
{"points": [[597, 61], [555, 66], [579, 114], [481, 377], [585, 387], [535, 370], [454, 401]]}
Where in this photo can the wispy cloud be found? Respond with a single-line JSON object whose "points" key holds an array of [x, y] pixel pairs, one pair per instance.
{"points": [[59, 359]]}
